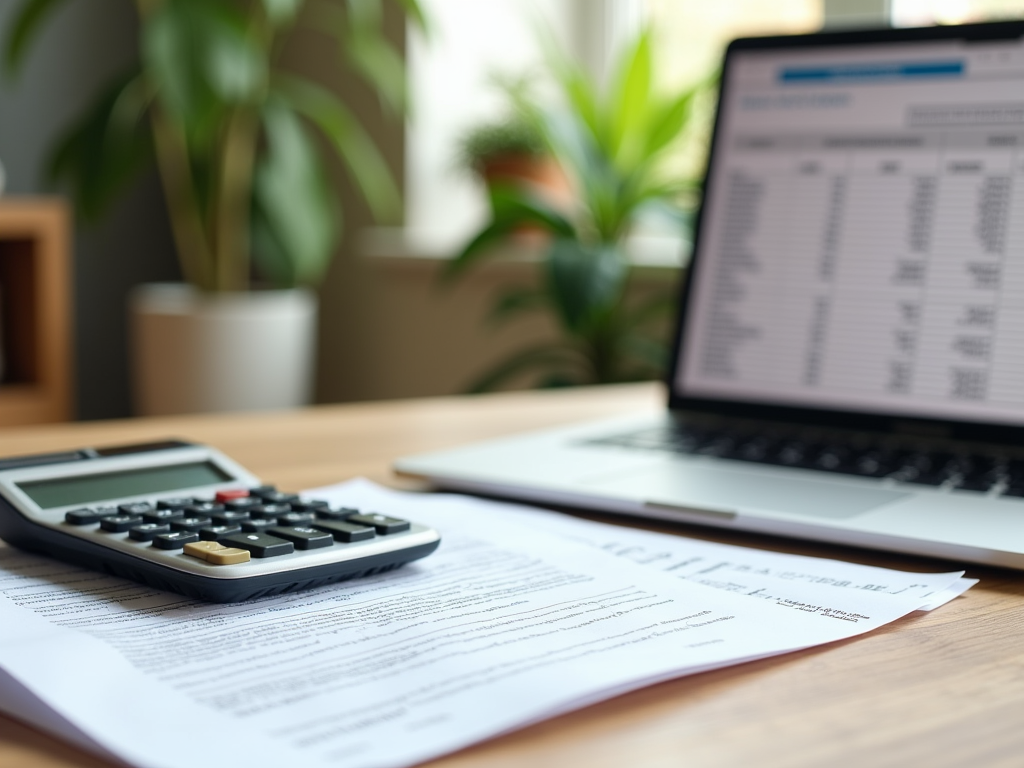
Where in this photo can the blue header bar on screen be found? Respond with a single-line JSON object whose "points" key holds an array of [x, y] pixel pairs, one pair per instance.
{"points": [[869, 72]]}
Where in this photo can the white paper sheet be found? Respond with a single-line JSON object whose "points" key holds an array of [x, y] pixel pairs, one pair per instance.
{"points": [[506, 624], [757, 573]]}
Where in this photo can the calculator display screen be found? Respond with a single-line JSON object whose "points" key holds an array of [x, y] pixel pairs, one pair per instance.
{"points": [[62, 491]]}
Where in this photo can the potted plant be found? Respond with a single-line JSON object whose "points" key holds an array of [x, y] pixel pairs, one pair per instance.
{"points": [[211, 103], [512, 151], [612, 145]]}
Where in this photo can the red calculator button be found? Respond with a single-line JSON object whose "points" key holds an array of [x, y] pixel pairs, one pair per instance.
{"points": [[235, 493]]}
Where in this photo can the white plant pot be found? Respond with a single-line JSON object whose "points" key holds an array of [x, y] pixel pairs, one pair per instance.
{"points": [[196, 353]]}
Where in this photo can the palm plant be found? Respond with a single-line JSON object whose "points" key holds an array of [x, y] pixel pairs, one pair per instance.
{"points": [[612, 145], [227, 125]]}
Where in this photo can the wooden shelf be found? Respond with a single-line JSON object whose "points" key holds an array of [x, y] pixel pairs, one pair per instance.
{"points": [[35, 311]]}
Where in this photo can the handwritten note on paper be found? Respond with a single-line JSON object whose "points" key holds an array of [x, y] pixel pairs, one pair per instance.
{"points": [[507, 623]]}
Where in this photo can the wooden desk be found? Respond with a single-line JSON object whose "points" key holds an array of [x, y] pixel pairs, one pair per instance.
{"points": [[938, 689]]}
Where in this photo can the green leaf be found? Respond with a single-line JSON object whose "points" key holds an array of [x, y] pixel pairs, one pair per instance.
{"points": [[571, 143], [363, 45], [106, 149], [513, 207], [364, 14], [544, 357], [520, 205], [171, 54], [578, 91], [348, 138], [415, 14], [381, 66], [281, 11], [27, 24], [586, 283], [236, 69], [667, 123], [477, 248], [202, 62], [629, 108], [295, 211]]}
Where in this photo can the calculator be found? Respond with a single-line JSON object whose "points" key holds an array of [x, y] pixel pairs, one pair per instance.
{"points": [[183, 517]]}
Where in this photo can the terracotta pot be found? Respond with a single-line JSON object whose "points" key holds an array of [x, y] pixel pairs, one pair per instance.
{"points": [[543, 174], [194, 352]]}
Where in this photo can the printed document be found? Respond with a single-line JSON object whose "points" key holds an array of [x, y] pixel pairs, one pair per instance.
{"points": [[507, 623], [757, 573]]}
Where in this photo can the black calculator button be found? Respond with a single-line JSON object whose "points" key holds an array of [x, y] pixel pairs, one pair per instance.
{"points": [[190, 523], [255, 526], [344, 531], [259, 544], [84, 516], [381, 523], [296, 518], [261, 489], [229, 518], [278, 497], [136, 508], [342, 513], [312, 505], [304, 538], [174, 539], [203, 509], [269, 511], [163, 515], [147, 531], [119, 523], [215, 532], [178, 503], [244, 504]]}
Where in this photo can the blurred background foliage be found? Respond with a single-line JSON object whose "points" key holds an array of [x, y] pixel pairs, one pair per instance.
{"points": [[231, 131], [613, 145]]}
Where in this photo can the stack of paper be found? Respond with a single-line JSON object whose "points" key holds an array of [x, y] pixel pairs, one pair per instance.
{"points": [[519, 616]]}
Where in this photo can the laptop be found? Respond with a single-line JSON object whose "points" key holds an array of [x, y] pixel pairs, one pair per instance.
{"points": [[849, 358]]}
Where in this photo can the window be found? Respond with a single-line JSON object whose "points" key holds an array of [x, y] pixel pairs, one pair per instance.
{"points": [[913, 13], [451, 76]]}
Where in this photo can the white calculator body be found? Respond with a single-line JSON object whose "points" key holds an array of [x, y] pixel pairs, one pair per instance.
{"points": [[186, 518]]}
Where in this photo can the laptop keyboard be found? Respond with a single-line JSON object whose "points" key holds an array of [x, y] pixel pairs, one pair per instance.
{"points": [[968, 471]]}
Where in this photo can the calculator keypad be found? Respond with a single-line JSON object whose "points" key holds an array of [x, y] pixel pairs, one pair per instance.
{"points": [[238, 525]]}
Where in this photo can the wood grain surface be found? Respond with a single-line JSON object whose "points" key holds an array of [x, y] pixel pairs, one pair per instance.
{"points": [[944, 688]]}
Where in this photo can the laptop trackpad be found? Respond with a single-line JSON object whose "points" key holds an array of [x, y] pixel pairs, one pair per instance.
{"points": [[702, 485]]}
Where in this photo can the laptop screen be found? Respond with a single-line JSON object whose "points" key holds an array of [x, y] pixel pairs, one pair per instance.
{"points": [[861, 247]]}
